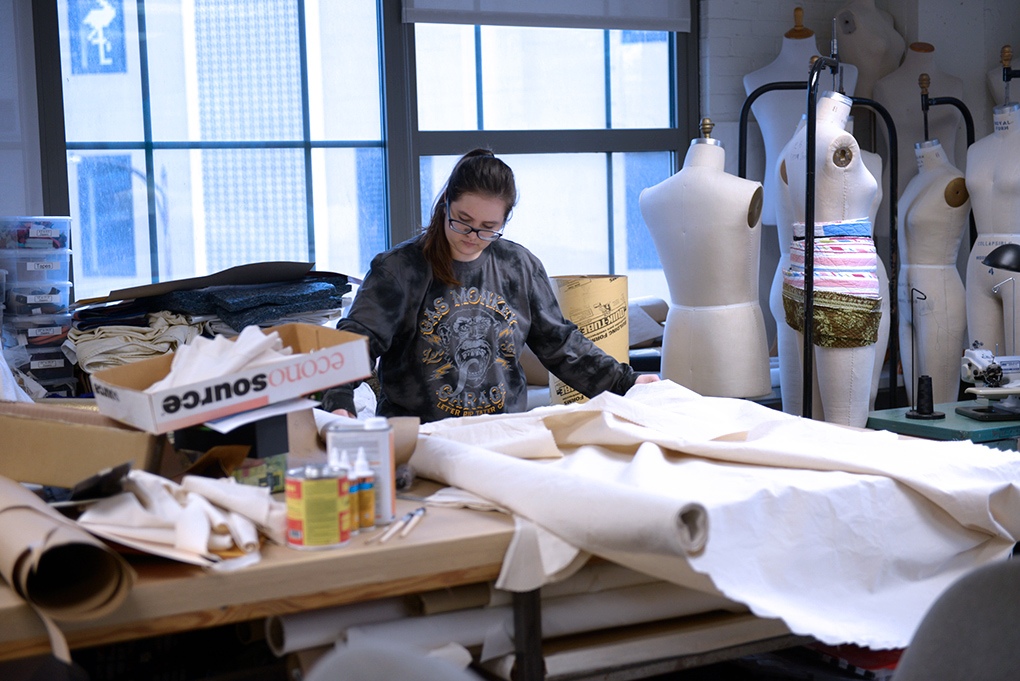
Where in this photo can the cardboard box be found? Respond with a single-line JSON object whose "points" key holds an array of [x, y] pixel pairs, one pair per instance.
{"points": [[597, 304], [323, 358], [61, 446]]}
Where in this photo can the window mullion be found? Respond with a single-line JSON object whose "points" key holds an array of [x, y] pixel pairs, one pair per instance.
{"points": [[400, 122], [306, 130], [479, 92], [150, 173]]}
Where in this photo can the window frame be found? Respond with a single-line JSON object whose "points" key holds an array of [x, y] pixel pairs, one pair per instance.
{"points": [[403, 144]]}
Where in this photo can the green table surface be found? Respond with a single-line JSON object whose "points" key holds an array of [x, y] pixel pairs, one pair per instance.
{"points": [[952, 427]]}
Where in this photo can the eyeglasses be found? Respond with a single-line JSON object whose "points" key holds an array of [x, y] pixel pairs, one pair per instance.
{"points": [[464, 228]]}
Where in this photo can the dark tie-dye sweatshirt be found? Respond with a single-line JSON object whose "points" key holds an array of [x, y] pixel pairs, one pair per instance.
{"points": [[454, 351]]}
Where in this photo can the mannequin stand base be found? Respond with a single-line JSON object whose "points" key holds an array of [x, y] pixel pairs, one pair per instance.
{"points": [[914, 414]]}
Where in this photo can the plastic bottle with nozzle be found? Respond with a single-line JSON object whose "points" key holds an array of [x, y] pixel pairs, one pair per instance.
{"points": [[366, 490]]}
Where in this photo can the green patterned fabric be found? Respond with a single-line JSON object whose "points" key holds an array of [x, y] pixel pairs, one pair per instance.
{"points": [[840, 320]]}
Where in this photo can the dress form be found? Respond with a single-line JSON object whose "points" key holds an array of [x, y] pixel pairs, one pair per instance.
{"points": [[899, 94], [778, 112], [868, 39], [789, 343], [933, 216], [993, 180], [996, 85], [706, 227], [844, 190], [873, 162]]}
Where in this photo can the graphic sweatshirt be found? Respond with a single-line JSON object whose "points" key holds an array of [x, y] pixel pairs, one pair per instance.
{"points": [[454, 351]]}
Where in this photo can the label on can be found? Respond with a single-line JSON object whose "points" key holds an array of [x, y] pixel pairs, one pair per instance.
{"points": [[318, 507]]}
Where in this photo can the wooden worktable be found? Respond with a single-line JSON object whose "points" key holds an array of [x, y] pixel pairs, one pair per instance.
{"points": [[449, 547]]}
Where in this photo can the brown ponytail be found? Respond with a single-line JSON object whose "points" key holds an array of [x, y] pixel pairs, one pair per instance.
{"points": [[476, 172]]}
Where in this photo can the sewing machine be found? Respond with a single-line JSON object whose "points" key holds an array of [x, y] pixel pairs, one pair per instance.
{"points": [[995, 378]]}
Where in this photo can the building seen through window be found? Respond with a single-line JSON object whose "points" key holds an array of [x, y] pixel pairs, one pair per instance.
{"points": [[203, 134]]}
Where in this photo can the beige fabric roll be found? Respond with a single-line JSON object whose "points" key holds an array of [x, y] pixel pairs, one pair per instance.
{"points": [[452, 598], [63, 572]]}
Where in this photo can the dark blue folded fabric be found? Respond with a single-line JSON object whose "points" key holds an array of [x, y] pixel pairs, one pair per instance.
{"points": [[262, 304], [194, 302], [125, 313], [236, 299], [265, 314]]}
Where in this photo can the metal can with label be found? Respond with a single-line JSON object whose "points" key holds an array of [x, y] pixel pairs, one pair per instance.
{"points": [[375, 436], [318, 506]]}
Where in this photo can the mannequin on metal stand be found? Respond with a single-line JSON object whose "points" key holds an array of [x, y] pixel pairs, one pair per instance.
{"points": [[706, 227], [847, 298]]}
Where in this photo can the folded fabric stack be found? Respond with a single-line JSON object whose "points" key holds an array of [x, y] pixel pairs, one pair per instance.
{"points": [[107, 335], [316, 297], [104, 346]]}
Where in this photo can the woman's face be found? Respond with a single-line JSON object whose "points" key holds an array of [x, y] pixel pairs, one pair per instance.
{"points": [[479, 212]]}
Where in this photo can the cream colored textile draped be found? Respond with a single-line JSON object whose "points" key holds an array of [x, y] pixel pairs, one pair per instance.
{"points": [[117, 344], [845, 535]]}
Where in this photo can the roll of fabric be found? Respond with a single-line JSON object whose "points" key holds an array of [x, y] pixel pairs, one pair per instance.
{"points": [[313, 628], [492, 628], [62, 571]]}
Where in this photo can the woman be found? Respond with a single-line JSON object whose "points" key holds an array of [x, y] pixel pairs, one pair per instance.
{"points": [[448, 312]]}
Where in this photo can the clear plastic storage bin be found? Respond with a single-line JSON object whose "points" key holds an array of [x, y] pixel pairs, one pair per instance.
{"points": [[36, 331], [30, 264], [38, 298], [61, 387], [35, 232], [45, 364]]}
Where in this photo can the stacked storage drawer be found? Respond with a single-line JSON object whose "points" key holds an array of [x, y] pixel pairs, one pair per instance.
{"points": [[37, 295]]}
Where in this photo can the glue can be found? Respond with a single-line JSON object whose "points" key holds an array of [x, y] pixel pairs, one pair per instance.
{"points": [[318, 506], [375, 436]]}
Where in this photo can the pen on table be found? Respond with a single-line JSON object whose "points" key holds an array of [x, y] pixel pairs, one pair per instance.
{"points": [[415, 519]]}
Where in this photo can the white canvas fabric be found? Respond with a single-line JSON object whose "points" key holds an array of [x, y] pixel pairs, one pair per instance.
{"points": [[846, 535]]}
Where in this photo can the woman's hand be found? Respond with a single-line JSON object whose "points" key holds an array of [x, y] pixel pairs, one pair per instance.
{"points": [[343, 412], [644, 378]]}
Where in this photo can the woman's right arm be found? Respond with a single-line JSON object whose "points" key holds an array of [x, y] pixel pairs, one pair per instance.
{"points": [[379, 312]]}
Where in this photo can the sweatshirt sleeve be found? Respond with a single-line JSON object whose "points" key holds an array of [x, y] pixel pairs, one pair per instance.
{"points": [[383, 310], [567, 352]]}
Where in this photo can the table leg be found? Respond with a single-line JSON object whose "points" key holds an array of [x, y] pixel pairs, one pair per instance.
{"points": [[528, 636]]}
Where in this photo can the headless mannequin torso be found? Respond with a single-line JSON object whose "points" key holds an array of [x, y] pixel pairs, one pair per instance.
{"points": [[706, 229], [844, 191], [933, 214], [899, 94], [873, 162], [788, 341], [868, 39], [993, 179], [778, 112]]}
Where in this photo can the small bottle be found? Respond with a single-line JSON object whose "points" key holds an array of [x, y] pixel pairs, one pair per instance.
{"points": [[345, 463], [366, 490]]}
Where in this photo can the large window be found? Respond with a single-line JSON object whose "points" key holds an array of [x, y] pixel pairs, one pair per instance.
{"points": [[202, 134]]}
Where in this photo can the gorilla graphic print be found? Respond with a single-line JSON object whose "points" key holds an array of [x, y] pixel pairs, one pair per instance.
{"points": [[469, 346]]}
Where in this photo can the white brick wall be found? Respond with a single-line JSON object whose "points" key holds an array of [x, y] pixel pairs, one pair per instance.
{"points": [[740, 36]]}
